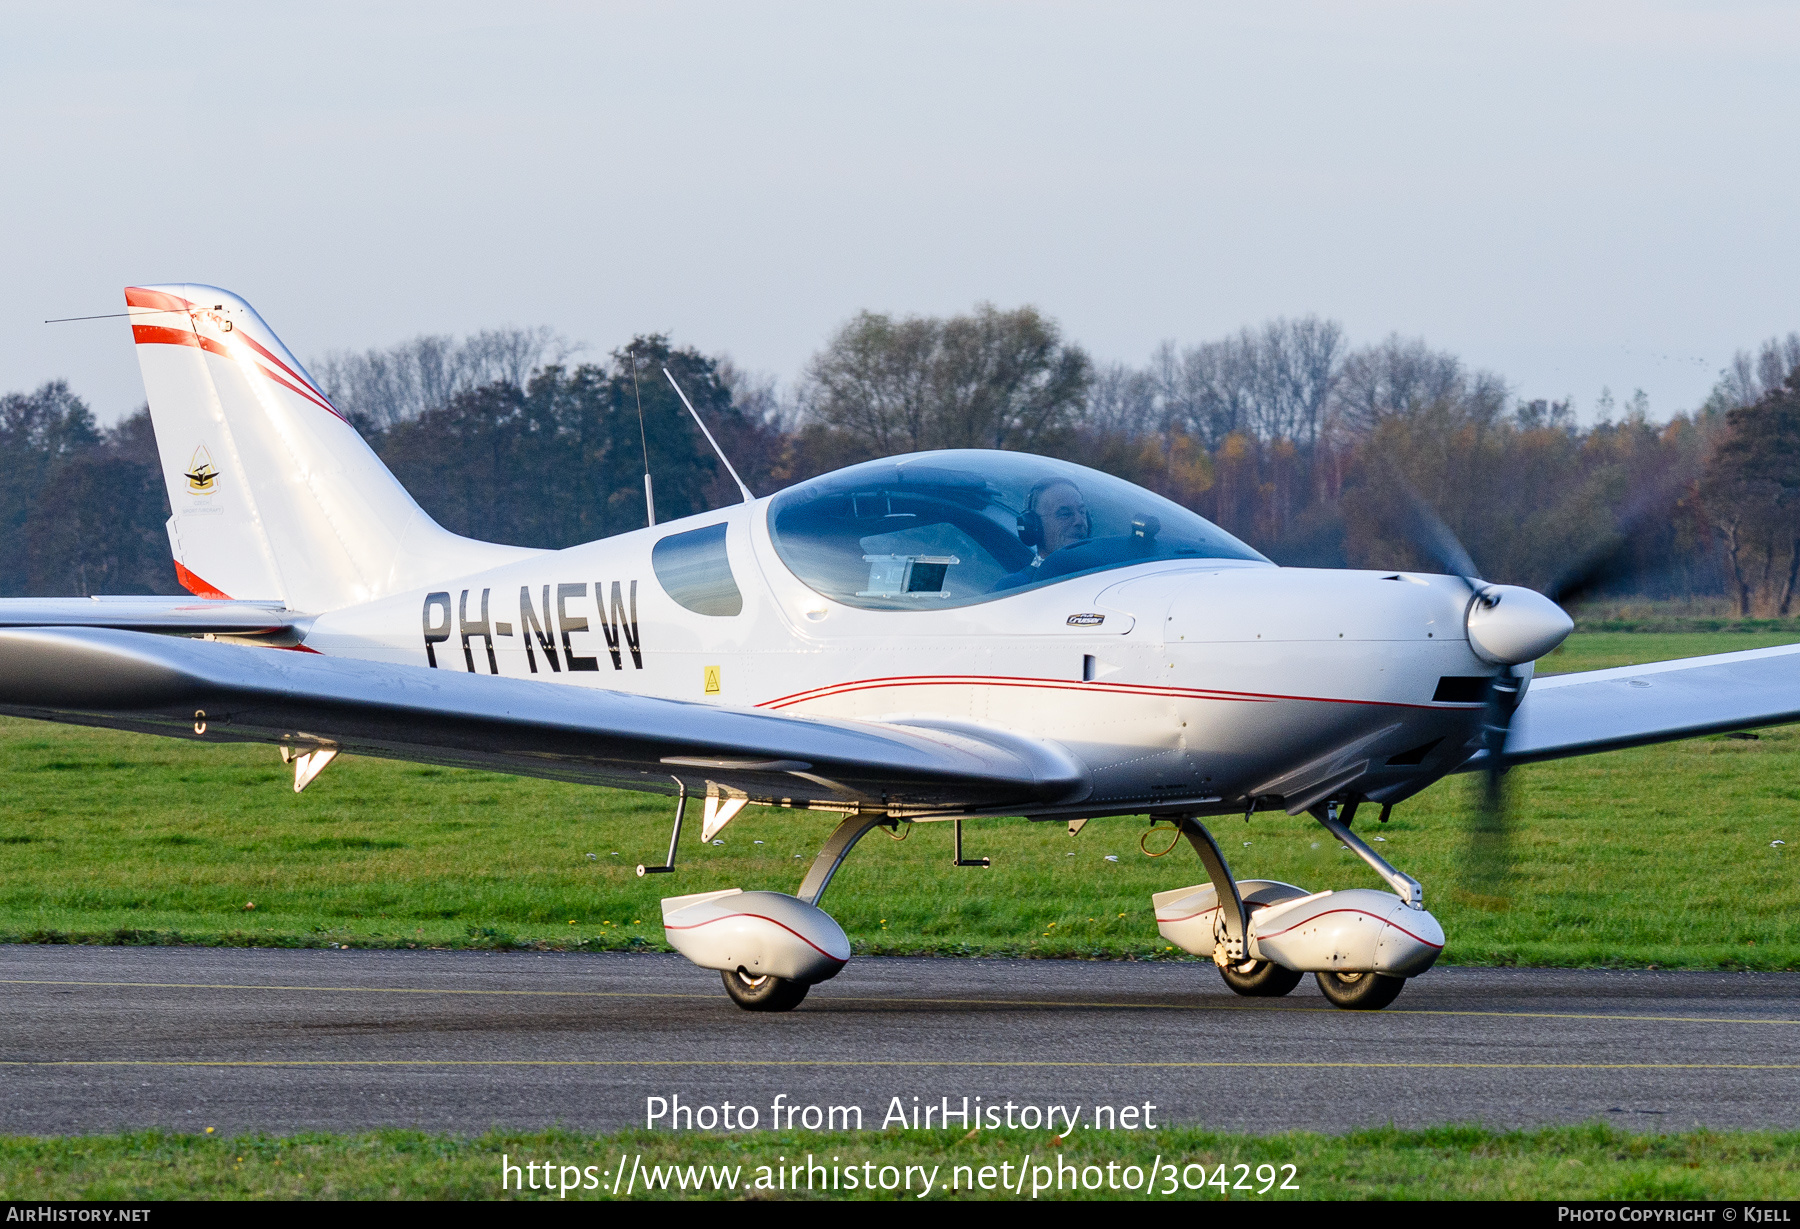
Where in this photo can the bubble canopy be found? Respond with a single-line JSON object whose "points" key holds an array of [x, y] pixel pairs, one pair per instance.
{"points": [[934, 530]]}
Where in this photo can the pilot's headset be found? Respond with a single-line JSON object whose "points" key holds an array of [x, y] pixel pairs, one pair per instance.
{"points": [[1031, 525]]}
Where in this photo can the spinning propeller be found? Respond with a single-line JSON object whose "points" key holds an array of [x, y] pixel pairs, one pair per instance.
{"points": [[1509, 626]]}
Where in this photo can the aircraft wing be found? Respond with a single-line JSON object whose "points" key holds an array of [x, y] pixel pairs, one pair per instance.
{"points": [[174, 616], [1605, 710], [222, 692]]}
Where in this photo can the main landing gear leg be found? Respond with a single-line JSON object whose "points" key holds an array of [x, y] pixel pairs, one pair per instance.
{"points": [[1365, 991], [832, 854], [768, 992], [1252, 978]]}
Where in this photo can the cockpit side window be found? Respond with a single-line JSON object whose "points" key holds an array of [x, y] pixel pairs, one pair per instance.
{"points": [[694, 569], [936, 530]]}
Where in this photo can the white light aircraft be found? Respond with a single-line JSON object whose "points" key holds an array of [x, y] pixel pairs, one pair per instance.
{"points": [[929, 637]]}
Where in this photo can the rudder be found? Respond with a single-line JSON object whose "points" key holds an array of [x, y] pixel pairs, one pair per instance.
{"points": [[272, 493]]}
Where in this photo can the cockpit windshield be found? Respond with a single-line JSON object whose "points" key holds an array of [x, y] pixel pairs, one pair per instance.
{"points": [[940, 529]]}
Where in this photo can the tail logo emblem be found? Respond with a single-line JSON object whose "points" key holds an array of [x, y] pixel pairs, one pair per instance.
{"points": [[202, 475]]}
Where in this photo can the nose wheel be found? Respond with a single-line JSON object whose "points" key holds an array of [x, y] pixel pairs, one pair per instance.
{"points": [[1341, 937], [1360, 991], [765, 993]]}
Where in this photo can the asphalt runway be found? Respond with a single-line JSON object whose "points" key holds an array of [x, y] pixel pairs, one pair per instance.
{"points": [[98, 1039]]}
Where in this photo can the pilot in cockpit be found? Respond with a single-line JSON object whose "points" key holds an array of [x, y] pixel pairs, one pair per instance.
{"points": [[1055, 516]]}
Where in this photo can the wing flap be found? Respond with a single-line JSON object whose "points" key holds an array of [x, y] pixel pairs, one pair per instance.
{"points": [[163, 684], [1631, 706]]}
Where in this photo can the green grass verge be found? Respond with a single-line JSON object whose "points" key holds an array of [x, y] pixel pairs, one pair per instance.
{"points": [[1581, 1162], [1605, 647], [1705, 614], [1783, 631], [1658, 856]]}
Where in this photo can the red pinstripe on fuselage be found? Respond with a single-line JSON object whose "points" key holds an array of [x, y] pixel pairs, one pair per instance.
{"points": [[1138, 689]]}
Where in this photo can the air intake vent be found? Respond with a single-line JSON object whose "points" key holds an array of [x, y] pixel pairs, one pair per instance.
{"points": [[1416, 755], [1461, 689]]}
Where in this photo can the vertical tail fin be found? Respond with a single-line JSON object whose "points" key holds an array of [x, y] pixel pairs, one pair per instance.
{"points": [[273, 493]]}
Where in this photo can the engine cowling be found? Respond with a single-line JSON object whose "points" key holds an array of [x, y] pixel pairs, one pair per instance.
{"points": [[758, 932]]}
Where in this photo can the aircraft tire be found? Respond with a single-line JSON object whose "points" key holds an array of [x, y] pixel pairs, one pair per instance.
{"points": [[1360, 991], [1259, 979], [765, 993]]}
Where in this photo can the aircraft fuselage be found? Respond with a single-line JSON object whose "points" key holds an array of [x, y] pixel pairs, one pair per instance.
{"points": [[1186, 683]]}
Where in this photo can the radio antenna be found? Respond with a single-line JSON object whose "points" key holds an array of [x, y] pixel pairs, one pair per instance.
{"points": [[142, 311], [644, 439], [748, 497]]}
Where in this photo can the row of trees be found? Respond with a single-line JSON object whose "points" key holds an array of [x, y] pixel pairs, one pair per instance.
{"points": [[1287, 435], [1311, 449], [382, 388], [1751, 486], [560, 458], [82, 509]]}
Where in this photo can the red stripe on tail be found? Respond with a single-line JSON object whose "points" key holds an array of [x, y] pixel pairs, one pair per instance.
{"points": [[193, 584], [301, 390], [257, 346], [137, 296], [161, 335]]}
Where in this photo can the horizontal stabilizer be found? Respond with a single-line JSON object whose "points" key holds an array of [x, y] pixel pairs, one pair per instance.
{"points": [[222, 692], [174, 616]]}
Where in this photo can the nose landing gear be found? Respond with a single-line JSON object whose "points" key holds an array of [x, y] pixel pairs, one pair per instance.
{"points": [[1359, 991], [765, 993], [1362, 945]]}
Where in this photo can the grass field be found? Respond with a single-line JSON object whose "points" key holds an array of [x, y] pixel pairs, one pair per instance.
{"points": [[1701, 614], [109, 837], [1585, 1162]]}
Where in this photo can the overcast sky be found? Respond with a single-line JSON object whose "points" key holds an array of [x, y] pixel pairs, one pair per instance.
{"points": [[1573, 195]]}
